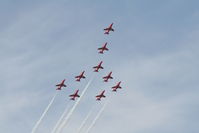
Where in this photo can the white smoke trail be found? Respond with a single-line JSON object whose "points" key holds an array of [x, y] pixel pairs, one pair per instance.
{"points": [[96, 118], [61, 118], [84, 121], [73, 108], [44, 113]]}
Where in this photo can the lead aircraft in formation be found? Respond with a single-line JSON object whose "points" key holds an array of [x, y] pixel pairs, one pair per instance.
{"points": [[96, 69], [108, 29]]}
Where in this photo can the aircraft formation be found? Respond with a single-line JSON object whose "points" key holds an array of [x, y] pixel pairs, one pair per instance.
{"points": [[97, 68], [77, 97]]}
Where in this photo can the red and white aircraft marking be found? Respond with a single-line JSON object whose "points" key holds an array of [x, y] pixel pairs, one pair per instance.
{"points": [[114, 88], [107, 30], [59, 86], [73, 96], [78, 78], [99, 66], [106, 78], [101, 95], [103, 48]]}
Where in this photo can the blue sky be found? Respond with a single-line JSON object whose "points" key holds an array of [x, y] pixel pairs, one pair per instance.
{"points": [[153, 51]]}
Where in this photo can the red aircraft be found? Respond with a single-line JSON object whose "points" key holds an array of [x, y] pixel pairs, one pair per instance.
{"points": [[100, 95], [103, 48], [73, 96], [99, 66], [116, 86], [78, 78], [106, 78], [61, 85], [107, 30]]}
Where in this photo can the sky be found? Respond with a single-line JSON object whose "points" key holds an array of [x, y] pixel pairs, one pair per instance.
{"points": [[154, 52]]}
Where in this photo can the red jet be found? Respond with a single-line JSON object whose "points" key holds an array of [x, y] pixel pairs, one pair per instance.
{"points": [[73, 96], [116, 86], [99, 66], [103, 48], [78, 78], [100, 95], [106, 78], [107, 30], [61, 85]]}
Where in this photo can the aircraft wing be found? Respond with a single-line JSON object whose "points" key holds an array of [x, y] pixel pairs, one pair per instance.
{"points": [[76, 76], [100, 48], [64, 85], [98, 96], [114, 87], [58, 85], [105, 77], [71, 95]]}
